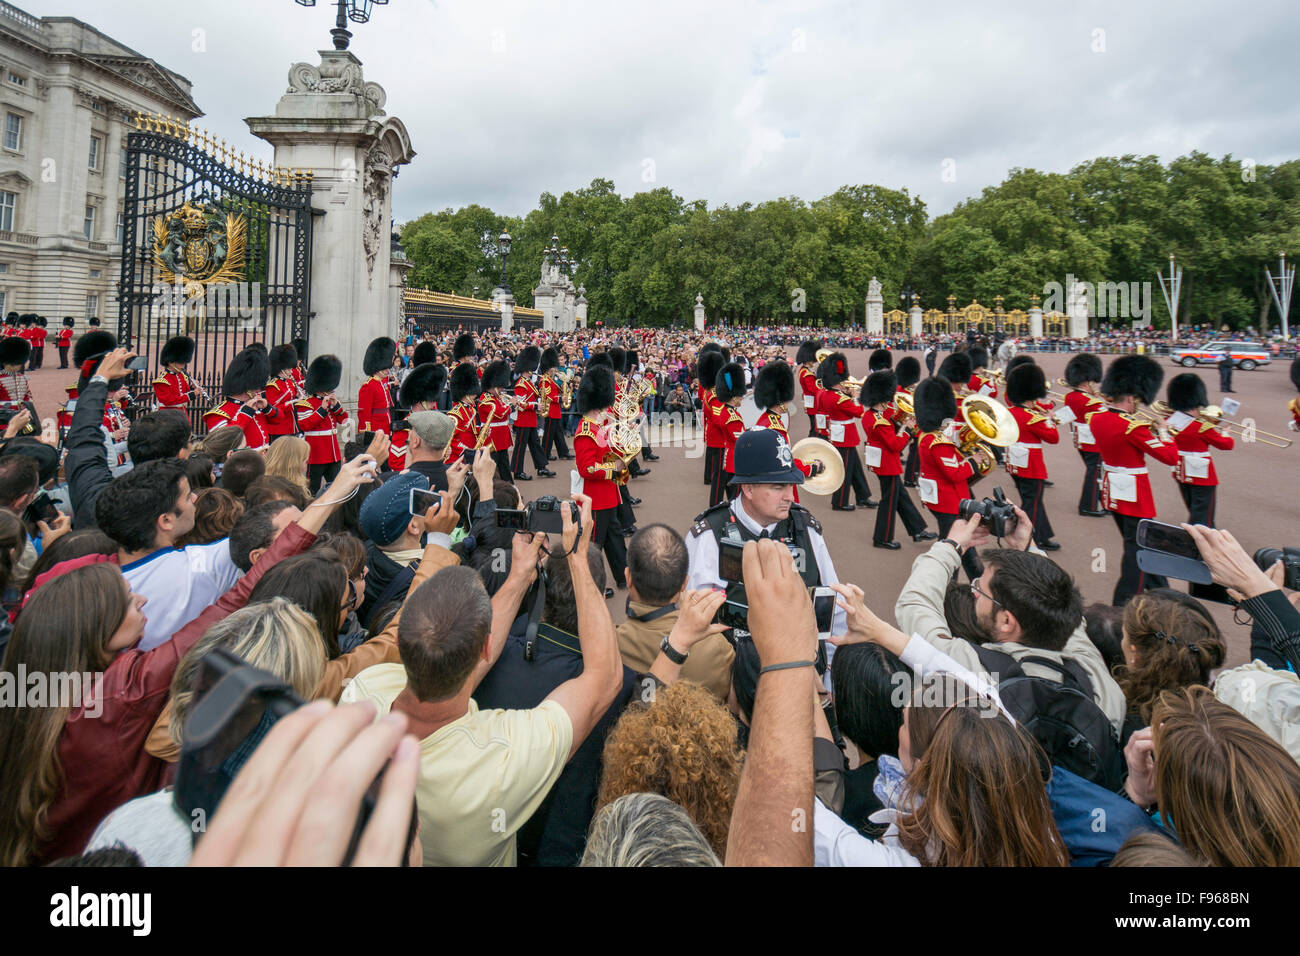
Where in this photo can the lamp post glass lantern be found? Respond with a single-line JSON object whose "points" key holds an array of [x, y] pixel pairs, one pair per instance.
{"points": [[503, 243], [358, 11]]}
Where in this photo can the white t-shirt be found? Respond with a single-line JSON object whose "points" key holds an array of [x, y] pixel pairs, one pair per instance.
{"points": [[149, 825], [180, 583]]}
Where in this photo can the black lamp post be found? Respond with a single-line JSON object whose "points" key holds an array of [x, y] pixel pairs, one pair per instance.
{"points": [[503, 243], [358, 11]]}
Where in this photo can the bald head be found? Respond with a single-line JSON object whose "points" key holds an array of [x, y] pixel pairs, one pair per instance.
{"points": [[657, 563]]}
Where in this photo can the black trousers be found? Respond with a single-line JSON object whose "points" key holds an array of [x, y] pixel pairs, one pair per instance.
{"points": [[606, 535], [63, 356], [502, 458], [1031, 503], [1132, 579], [812, 427], [527, 438], [854, 477], [626, 516], [894, 499], [713, 458], [1200, 501], [1089, 497], [553, 437], [913, 467], [328, 472], [1225, 378], [970, 560], [719, 490], [38, 357]]}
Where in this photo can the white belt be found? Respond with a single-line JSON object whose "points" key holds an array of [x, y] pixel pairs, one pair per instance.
{"points": [[1025, 444], [1116, 470], [1193, 454], [500, 424], [320, 433]]}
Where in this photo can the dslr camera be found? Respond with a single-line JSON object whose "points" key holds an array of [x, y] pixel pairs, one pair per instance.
{"points": [[996, 513], [541, 515], [1290, 558]]}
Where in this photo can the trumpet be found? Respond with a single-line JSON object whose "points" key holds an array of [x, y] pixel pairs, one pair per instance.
{"points": [[1088, 391], [988, 424], [822, 353], [903, 402]]}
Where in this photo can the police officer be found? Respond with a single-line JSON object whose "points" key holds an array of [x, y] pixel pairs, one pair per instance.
{"points": [[765, 508], [1226, 365]]}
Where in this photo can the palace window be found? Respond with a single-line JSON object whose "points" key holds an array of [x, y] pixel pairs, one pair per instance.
{"points": [[95, 146], [88, 226], [13, 131], [8, 206]]}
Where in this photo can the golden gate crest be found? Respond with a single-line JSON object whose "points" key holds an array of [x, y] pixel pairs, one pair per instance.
{"points": [[198, 248]]}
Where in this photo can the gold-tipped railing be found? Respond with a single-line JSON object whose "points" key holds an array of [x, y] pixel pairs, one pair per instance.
{"points": [[220, 151]]}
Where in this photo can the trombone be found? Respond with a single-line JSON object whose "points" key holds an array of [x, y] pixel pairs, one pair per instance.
{"points": [[1213, 415]]}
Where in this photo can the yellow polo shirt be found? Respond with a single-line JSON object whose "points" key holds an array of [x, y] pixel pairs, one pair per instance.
{"points": [[481, 776]]}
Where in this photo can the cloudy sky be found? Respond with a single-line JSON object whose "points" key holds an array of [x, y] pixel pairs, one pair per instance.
{"points": [[733, 101]]}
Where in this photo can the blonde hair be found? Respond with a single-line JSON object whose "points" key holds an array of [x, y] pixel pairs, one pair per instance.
{"points": [[287, 459], [277, 636]]}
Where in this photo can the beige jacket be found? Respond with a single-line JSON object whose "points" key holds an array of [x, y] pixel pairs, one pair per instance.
{"points": [[709, 662], [919, 611]]}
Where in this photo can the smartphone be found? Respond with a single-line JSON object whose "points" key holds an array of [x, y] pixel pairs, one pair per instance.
{"points": [[423, 499], [731, 560], [467, 456], [138, 364], [1167, 539], [823, 600], [43, 508]]}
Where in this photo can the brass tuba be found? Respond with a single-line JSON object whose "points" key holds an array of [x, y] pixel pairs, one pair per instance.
{"points": [[988, 425]]}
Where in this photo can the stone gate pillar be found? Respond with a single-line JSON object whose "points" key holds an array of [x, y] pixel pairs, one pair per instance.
{"points": [[332, 122], [875, 309], [699, 312]]}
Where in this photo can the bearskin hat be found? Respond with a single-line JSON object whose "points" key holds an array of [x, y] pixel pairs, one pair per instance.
{"points": [[69, 321], [881, 386], [423, 384], [464, 382], [379, 355], [550, 359], [934, 402], [880, 359], [257, 347], [424, 353], [1085, 367], [1018, 360], [1026, 383], [730, 381], [527, 360], [300, 346], [178, 348], [44, 322], [1186, 392], [601, 359], [249, 371], [93, 321], [709, 365], [92, 345], [833, 370], [710, 347], [1295, 372], [1137, 375], [323, 374], [596, 391], [464, 346], [956, 368], [774, 385], [14, 350], [496, 375], [25, 320], [283, 358], [979, 356], [11, 317], [617, 359], [908, 371]]}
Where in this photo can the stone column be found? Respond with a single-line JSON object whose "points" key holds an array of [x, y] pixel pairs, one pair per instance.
{"points": [[914, 317], [875, 313], [699, 312], [1035, 318], [507, 312], [1077, 308], [332, 122], [581, 313]]}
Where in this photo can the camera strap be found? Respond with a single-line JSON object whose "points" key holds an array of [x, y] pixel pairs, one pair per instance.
{"points": [[650, 615], [535, 616]]}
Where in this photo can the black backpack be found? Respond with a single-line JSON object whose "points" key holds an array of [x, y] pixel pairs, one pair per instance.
{"points": [[1062, 715]]}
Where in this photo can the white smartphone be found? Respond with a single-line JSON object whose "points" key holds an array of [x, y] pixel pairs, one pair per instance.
{"points": [[823, 610], [423, 499]]}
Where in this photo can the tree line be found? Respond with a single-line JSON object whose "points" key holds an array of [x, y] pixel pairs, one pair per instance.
{"points": [[643, 258]]}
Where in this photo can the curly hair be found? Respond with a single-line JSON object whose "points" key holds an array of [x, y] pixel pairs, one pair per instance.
{"points": [[1177, 643], [682, 746]]}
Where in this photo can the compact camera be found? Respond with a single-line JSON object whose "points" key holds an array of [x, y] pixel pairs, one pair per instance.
{"points": [[1290, 558], [543, 515], [996, 513]]}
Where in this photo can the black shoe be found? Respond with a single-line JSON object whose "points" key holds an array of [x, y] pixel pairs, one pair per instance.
{"points": [[1093, 514], [566, 458], [550, 458], [520, 476], [841, 507], [909, 484], [609, 593], [545, 473], [628, 532], [1050, 546], [643, 471], [633, 501], [1048, 483], [887, 545], [868, 504], [925, 536], [651, 457]]}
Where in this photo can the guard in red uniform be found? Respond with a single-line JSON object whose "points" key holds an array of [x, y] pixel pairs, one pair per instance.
{"points": [[375, 397], [282, 391], [40, 335], [464, 385], [945, 472], [980, 381], [10, 326], [300, 368], [730, 392], [1026, 385], [908, 373], [1083, 374], [494, 413], [707, 365], [806, 359], [1195, 474], [15, 392], [601, 471], [1124, 441], [886, 438], [174, 387], [64, 340], [1294, 406], [552, 428], [527, 395], [842, 414], [244, 405], [420, 392], [319, 416], [773, 392]]}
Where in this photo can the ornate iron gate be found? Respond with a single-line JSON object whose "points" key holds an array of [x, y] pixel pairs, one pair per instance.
{"points": [[214, 246]]}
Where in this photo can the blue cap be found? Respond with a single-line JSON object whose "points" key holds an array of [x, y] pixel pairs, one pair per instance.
{"points": [[387, 510], [763, 458]]}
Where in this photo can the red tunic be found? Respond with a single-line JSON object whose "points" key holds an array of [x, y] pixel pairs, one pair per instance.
{"points": [[712, 408], [231, 412], [319, 428], [882, 434], [397, 450], [465, 433], [730, 425], [173, 390], [553, 409], [944, 474], [65, 413], [1082, 405], [808, 385], [595, 466], [1025, 457], [526, 410], [978, 383], [1124, 442], [499, 427], [64, 338], [374, 401], [1195, 463], [280, 416], [14, 389], [841, 412]]}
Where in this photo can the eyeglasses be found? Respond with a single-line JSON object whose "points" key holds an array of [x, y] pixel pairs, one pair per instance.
{"points": [[975, 587], [351, 605]]}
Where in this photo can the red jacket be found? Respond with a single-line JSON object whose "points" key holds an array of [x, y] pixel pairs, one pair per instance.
{"points": [[808, 385], [526, 412], [319, 428], [1194, 443], [465, 433], [944, 474], [840, 410], [231, 412], [499, 428], [397, 450], [882, 434], [1124, 442], [374, 401], [772, 420], [979, 382], [553, 392], [1083, 405], [595, 466], [173, 390], [64, 338], [103, 757], [1035, 428], [14, 388], [280, 416], [712, 410], [730, 425]]}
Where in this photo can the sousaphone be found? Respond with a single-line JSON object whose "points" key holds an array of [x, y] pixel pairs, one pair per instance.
{"points": [[819, 449]]}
